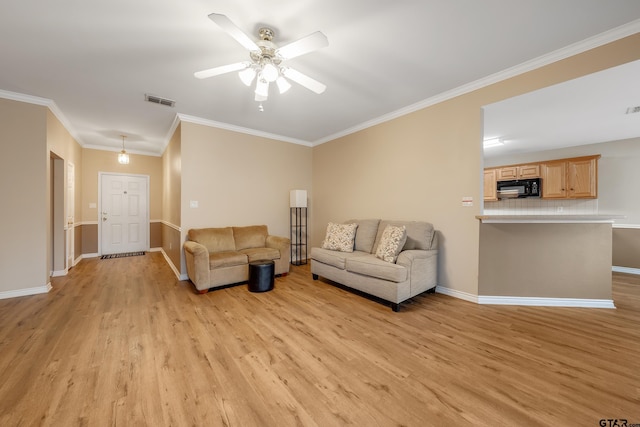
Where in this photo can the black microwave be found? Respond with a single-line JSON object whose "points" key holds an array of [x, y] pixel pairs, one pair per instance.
{"points": [[519, 188]]}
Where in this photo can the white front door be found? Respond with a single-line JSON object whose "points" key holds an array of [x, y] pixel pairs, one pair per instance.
{"points": [[124, 213], [71, 180]]}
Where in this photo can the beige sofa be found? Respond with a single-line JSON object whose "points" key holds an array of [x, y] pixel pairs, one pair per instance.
{"points": [[220, 256], [413, 272]]}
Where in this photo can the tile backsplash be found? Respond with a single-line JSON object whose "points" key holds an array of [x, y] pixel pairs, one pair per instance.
{"points": [[534, 206]]}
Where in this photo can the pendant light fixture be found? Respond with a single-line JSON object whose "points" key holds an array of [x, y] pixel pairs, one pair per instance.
{"points": [[123, 157]]}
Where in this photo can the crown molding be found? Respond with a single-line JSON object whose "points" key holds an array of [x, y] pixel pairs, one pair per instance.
{"points": [[239, 129], [45, 102], [574, 49]]}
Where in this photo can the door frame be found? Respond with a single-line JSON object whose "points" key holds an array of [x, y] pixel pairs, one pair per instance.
{"points": [[147, 219]]}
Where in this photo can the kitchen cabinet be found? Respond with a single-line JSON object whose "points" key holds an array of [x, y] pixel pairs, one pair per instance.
{"points": [[575, 178], [519, 172], [490, 190]]}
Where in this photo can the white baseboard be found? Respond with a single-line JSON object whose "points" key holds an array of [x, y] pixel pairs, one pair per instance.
{"points": [[26, 292], [547, 302], [166, 258], [59, 273], [457, 294], [627, 270], [526, 301]]}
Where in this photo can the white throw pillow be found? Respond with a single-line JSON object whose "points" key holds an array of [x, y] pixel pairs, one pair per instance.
{"points": [[340, 237], [391, 243]]}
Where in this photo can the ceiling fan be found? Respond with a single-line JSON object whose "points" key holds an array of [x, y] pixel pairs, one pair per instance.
{"points": [[266, 59]]}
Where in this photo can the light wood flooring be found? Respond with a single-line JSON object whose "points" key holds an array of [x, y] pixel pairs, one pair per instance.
{"points": [[122, 342]]}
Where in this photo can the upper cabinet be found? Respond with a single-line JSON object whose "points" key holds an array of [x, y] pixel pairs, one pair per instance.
{"points": [[518, 172], [490, 187], [575, 178]]}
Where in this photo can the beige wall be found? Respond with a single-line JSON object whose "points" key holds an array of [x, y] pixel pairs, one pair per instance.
{"points": [[626, 248], [172, 169], [421, 165], [239, 179], [64, 149], [545, 260], [24, 173], [171, 196]]}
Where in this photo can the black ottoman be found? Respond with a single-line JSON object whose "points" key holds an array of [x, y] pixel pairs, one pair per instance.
{"points": [[261, 276]]}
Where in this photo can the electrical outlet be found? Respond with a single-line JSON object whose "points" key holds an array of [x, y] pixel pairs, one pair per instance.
{"points": [[559, 209]]}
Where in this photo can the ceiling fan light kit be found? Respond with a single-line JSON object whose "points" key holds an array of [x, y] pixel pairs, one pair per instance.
{"points": [[266, 58]]}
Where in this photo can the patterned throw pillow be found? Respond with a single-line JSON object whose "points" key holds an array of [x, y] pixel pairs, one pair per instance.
{"points": [[340, 237], [391, 243]]}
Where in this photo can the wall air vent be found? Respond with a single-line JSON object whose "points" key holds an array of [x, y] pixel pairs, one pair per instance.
{"points": [[159, 100], [632, 110]]}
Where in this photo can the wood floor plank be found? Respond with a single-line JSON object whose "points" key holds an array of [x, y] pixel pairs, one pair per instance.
{"points": [[122, 342]]}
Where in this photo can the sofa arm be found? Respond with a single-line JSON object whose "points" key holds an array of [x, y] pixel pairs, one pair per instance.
{"points": [[423, 268], [197, 258], [282, 244]]}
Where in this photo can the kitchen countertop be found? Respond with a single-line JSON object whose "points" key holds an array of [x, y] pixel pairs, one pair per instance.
{"points": [[549, 219]]}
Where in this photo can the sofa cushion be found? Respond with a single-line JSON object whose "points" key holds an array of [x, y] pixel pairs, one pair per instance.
{"points": [[369, 265], [226, 259], [365, 234], [340, 237], [259, 254], [253, 236], [391, 243], [214, 239], [420, 234], [333, 258]]}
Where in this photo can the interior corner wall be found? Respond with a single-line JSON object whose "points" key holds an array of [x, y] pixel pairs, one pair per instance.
{"points": [[171, 195], [238, 179], [420, 166], [24, 175]]}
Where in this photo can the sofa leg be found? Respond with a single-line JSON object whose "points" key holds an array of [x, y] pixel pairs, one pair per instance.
{"points": [[395, 307], [203, 291], [315, 276]]}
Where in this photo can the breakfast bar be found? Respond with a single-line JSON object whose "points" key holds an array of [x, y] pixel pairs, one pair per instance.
{"points": [[552, 260]]}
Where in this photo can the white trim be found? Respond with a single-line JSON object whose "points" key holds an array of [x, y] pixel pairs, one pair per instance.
{"points": [[239, 129], [457, 294], [26, 292], [627, 270], [45, 102], [547, 302], [172, 130], [86, 223], [168, 224], [628, 226], [171, 266], [59, 273]]}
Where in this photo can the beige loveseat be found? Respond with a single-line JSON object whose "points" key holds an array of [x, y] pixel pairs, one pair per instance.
{"points": [[395, 279], [220, 256]]}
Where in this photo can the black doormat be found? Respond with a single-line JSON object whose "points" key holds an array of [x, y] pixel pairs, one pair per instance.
{"points": [[126, 254]]}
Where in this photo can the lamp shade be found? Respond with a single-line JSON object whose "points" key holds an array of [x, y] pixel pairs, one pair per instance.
{"points": [[298, 199]]}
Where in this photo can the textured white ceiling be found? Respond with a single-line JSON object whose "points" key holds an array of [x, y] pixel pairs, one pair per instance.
{"points": [[96, 59], [587, 110]]}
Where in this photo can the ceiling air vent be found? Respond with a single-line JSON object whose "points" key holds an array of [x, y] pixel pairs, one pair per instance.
{"points": [[158, 100], [632, 110]]}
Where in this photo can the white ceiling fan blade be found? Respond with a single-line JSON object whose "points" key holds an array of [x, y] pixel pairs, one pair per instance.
{"points": [[220, 70], [306, 44], [235, 32], [304, 80]]}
